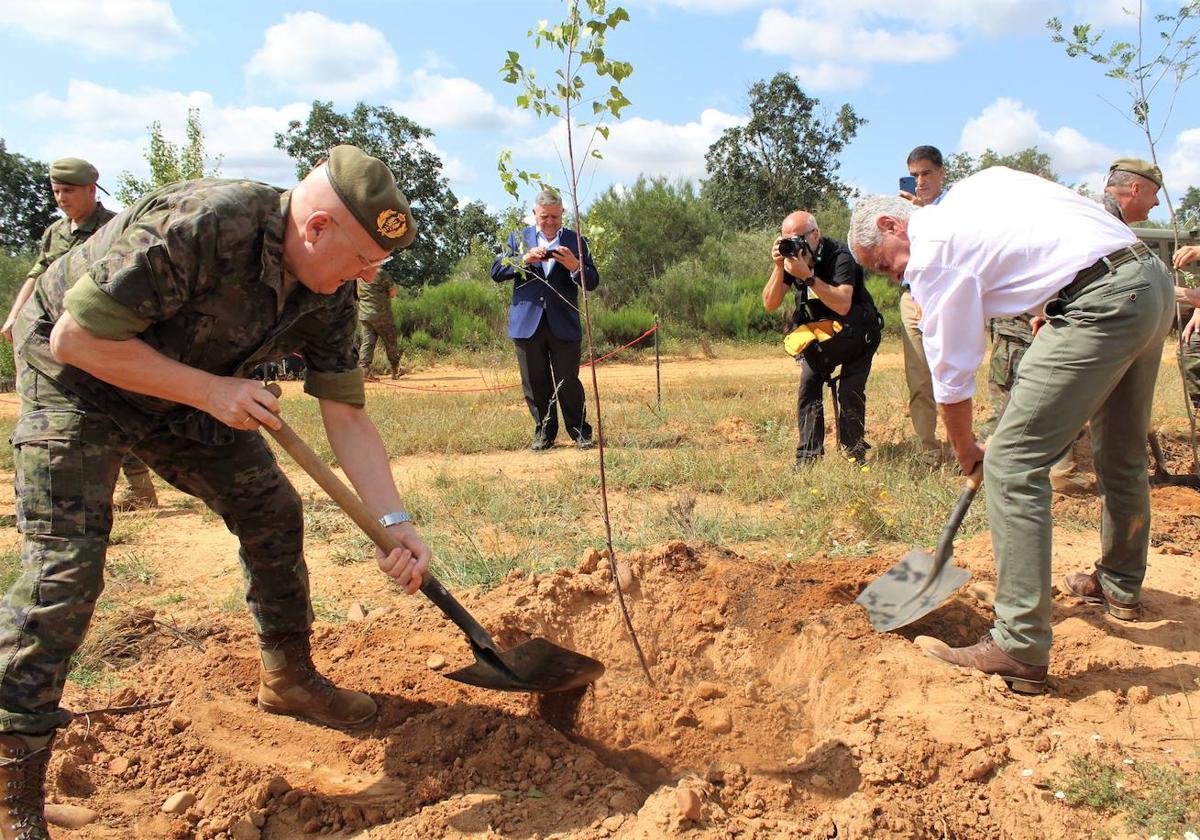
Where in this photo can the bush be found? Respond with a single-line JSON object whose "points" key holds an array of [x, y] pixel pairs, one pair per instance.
{"points": [[462, 313], [621, 326]]}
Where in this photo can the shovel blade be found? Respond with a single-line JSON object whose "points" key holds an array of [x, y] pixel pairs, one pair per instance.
{"points": [[535, 666], [889, 600]]}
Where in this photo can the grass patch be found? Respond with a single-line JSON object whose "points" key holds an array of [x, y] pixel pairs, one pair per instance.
{"points": [[327, 609], [1155, 799], [132, 568], [355, 548], [234, 600], [10, 568]]}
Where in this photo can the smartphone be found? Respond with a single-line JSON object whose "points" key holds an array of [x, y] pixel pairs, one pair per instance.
{"points": [[908, 184]]}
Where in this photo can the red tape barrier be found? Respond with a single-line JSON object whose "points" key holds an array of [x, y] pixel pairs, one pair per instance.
{"points": [[640, 338]]}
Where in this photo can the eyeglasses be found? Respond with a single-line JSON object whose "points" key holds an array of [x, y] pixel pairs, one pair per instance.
{"points": [[367, 264]]}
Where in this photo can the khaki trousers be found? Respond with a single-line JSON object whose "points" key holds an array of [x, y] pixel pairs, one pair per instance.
{"points": [[921, 407], [1096, 359]]}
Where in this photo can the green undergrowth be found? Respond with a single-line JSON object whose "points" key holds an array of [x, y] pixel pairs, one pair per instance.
{"points": [[1155, 800]]}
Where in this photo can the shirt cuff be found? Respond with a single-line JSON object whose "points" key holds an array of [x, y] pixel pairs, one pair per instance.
{"points": [[947, 395], [97, 312], [345, 386]]}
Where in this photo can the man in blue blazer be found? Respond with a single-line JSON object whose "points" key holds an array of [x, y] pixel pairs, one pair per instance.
{"points": [[543, 320]]}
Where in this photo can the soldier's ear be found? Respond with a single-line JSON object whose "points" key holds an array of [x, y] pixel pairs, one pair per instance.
{"points": [[318, 224]]}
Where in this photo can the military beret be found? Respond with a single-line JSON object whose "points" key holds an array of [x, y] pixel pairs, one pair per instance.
{"points": [[1138, 167], [74, 171], [368, 189]]}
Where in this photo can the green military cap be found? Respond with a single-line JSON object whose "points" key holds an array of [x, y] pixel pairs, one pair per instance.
{"points": [[1138, 167], [74, 171], [366, 186]]}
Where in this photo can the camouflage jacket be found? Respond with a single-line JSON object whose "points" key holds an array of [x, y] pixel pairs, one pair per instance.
{"points": [[374, 298], [1020, 327], [195, 270], [62, 235]]}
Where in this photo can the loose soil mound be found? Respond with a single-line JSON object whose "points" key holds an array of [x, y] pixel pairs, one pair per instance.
{"points": [[775, 711]]}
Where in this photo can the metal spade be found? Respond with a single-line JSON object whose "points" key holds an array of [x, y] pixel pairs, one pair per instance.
{"points": [[920, 582], [536, 665]]}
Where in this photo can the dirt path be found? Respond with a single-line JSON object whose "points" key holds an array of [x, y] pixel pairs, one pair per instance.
{"points": [[776, 711]]}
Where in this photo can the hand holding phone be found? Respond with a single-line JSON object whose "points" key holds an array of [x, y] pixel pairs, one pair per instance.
{"points": [[908, 184]]}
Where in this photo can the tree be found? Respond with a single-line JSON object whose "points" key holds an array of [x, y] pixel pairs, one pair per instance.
{"points": [[400, 143], [1189, 209], [26, 203], [169, 162], [1031, 160], [785, 158], [639, 231]]}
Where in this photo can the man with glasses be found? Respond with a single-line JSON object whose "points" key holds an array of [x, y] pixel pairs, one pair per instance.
{"points": [[143, 340], [806, 261], [547, 263]]}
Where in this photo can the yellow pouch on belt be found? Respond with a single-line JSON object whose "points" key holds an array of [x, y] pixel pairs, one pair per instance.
{"points": [[798, 339]]}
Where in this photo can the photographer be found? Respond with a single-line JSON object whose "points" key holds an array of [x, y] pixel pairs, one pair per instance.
{"points": [[829, 286]]}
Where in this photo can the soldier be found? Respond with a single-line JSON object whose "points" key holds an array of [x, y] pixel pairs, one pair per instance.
{"points": [[74, 182], [143, 339], [375, 314]]}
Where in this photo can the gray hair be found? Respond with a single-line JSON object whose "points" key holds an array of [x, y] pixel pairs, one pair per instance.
{"points": [[864, 232], [1122, 180], [547, 198]]}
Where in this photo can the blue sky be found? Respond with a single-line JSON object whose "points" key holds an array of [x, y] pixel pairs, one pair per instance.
{"points": [[85, 78]]}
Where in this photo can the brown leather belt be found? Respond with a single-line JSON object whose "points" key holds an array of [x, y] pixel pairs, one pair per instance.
{"points": [[1104, 266]]}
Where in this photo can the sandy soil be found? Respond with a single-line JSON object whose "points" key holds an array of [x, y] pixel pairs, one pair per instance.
{"points": [[775, 710]]}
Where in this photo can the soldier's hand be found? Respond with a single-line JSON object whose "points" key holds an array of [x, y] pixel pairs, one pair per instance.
{"points": [[242, 404], [1187, 254], [7, 329], [1037, 322], [405, 565], [1189, 329], [969, 456]]}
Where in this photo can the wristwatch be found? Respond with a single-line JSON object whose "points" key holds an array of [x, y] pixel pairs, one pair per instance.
{"points": [[397, 518]]}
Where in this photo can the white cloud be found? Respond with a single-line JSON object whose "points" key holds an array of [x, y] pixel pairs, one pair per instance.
{"points": [[829, 75], [314, 57], [804, 38], [1007, 126], [639, 146], [455, 169], [1182, 166], [131, 29], [703, 6], [456, 103], [109, 128]]}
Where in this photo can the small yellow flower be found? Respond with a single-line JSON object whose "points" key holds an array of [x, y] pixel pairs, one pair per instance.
{"points": [[883, 494], [814, 491], [865, 468]]}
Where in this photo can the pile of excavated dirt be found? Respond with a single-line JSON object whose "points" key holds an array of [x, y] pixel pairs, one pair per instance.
{"points": [[775, 711]]}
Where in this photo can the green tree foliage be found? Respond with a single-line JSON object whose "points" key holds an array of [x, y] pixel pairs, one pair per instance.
{"points": [[26, 203], [639, 231], [1189, 209], [397, 141], [169, 162], [783, 159], [960, 165]]}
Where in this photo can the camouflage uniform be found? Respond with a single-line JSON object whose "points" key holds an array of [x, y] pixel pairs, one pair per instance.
{"points": [[1011, 337], [375, 313], [62, 235], [194, 270]]}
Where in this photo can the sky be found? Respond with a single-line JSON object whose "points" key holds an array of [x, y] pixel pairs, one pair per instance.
{"points": [[86, 78]]}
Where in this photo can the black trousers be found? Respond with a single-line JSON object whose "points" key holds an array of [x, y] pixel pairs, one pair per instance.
{"points": [[550, 375], [851, 409]]}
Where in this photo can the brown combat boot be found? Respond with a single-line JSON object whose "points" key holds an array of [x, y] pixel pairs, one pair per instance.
{"points": [[398, 370], [291, 685], [23, 761], [140, 495]]}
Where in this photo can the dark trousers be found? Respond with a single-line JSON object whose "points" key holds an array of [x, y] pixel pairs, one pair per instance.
{"points": [[851, 409], [550, 375]]}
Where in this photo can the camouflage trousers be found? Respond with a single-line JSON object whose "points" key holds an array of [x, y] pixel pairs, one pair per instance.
{"points": [[378, 330], [1007, 352], [1189, 354], [66, 461]]}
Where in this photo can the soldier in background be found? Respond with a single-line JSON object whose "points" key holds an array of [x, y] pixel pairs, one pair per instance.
{"points": [[74, 182], [144, 339], [375, 317]]}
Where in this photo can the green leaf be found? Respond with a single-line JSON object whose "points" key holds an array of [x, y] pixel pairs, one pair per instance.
{"points": [[619, 14]]}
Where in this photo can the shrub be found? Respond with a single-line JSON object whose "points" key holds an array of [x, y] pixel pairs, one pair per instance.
{"points": [[621, 326]]}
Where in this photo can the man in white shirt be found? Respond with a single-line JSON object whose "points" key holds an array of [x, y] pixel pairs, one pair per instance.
{"points": [[1004, 242]]}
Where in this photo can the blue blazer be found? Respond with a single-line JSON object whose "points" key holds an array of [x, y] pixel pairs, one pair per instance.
{"points": [[531, 296]]}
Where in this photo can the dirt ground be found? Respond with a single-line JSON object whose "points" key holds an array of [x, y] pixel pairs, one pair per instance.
{"points": [[775, 710]]}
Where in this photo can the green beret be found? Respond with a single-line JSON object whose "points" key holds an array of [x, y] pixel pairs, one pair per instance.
{"points": [[366, 186], [1138, 167], [74, 171]]}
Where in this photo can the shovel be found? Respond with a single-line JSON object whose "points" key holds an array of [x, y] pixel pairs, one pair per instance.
{"points": [[536, 665], [920, 582]]}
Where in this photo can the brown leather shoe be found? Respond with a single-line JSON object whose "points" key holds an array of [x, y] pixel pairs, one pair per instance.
{"points": [[291, 685], [23, 761], [986, 656], [1087, 586]]}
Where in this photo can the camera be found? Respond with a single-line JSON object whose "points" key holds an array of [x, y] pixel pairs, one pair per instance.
{"points": [[793, 246]]}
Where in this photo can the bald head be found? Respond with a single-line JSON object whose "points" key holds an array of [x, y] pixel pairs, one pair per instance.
{"points": [[324, 245], [798, 223]]}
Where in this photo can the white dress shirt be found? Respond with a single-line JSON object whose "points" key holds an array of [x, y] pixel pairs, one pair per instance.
{"points": [[1000, 243], [549, 245]]}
